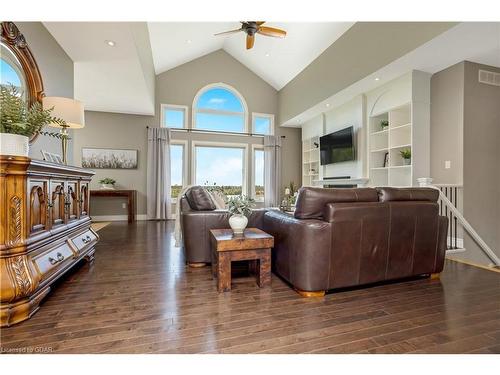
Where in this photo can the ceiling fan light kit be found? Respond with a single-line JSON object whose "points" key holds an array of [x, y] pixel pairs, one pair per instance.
{"points": [[255, 27]]}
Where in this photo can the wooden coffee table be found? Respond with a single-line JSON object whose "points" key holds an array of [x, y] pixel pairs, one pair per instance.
{"points": [[253, 245]]}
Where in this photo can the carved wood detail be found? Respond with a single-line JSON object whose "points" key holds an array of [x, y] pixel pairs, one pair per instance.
{"points": [[22, 278], [15, 223]]}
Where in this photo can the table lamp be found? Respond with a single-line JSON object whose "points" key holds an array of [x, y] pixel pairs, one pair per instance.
{"points": [[69, 110]]}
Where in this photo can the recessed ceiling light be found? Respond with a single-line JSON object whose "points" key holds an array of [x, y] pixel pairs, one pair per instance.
{"points": [[189, 41], [267, 54], [110, 43], [377, 79], [328, 104]]}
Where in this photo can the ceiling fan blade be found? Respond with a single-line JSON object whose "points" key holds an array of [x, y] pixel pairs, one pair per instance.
{"points": [[271, 31], [260, 22], [228, 32], [250, 41]]}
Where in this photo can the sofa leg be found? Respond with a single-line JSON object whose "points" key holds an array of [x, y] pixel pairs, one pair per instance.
{"points": [[196, 265], [303, 293], [435, 276]]}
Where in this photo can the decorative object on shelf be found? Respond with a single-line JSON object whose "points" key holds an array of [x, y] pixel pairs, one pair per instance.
{"points": [[288, 202], [240, 207], [19, 122], [386, 160], [384, 124], [106, 158], [73, 115], [107, 183], [406, 155], [316, 144]]}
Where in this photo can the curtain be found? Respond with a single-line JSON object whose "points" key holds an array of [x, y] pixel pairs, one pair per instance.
{"points": [[272, 170], [158, 174]]}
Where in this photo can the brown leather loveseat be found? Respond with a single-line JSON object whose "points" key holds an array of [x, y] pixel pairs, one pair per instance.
{"points": [[347, 237], [198, 216]]}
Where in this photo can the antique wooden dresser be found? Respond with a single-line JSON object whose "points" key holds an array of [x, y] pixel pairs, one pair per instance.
{"points": [[45, 230]]}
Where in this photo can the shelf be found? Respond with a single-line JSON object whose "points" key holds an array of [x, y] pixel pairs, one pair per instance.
{"points": [[400, 146], [379, 168], [400, 166], [380, 150], [311, 149], [380, 132], [401, 126], [311, 162]]}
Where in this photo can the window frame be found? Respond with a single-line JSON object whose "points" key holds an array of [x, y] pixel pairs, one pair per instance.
{"points": [[174, 107], [235, 92], [270, 116], [185, 177], [252, 180], [243, 146]]}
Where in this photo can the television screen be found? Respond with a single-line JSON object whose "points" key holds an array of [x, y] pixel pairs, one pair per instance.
{"points": [[337, 147]]}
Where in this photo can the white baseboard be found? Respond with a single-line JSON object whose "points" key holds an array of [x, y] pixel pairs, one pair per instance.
{"points": [[454, 251], [460, 242], [117, 217]]}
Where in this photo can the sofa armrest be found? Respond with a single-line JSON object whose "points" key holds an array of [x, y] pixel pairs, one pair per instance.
{"points": [[302, 249]]}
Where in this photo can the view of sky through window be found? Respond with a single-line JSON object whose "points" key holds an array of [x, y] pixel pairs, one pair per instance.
{"points": [[8, 74]]}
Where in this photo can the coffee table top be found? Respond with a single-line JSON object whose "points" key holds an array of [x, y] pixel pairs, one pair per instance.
{"points": [[252, 238]]}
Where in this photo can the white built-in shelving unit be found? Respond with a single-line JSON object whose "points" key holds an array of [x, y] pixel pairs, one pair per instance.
{"points": [[310, 161], [390, 141]]}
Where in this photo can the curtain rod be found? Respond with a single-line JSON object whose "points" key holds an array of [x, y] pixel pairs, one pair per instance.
{"points": [[189, 130]]}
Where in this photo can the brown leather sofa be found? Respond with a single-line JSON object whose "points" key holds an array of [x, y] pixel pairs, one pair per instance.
{"points": [[346, 237], [198, 216]]}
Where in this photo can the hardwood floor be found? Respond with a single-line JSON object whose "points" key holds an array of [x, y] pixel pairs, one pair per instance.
{"points": [[139, 297]]}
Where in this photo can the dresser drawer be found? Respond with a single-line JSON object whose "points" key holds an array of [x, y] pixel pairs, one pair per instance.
{"points": [[84, 239], [51, 260]]}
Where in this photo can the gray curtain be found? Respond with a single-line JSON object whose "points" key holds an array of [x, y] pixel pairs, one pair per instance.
{"points": [[158, 174], [272, 170]]}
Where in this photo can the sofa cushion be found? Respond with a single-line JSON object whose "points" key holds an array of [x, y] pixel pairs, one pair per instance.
{"points": [[311, 201], [389, 194], [199, 199]]}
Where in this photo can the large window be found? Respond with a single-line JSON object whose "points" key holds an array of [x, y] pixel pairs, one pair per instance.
{"points": [[173, 116], [262, 123], [222, 165], [258, 174], [219, 108], [177, 168]]}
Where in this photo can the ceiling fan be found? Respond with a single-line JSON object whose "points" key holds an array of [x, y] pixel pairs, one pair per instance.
{"points": [[255, 27]]}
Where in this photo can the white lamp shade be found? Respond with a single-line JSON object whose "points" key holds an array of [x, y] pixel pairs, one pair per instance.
{"points": [[70, 110]]}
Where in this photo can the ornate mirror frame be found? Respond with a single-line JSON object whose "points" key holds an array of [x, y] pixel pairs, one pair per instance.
{"points": [[16, 43]]}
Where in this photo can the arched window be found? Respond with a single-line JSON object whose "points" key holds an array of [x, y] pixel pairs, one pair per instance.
{"points": [[219, 107]]}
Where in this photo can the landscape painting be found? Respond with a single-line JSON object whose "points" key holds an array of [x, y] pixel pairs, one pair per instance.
{"points": [[108, 158]]}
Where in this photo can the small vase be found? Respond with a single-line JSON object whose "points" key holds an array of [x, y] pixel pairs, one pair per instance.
{"points": [[107, 187], [406, 161], [14, 144], [238, 223]]}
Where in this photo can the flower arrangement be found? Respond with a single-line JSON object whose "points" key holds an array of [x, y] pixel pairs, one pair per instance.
{"points": [[107, 181], [240, 205]]}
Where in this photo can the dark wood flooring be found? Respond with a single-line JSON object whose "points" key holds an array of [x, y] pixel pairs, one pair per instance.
{"points": [[139, 297]]}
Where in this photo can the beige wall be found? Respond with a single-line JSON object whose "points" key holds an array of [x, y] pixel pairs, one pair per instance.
{"points": [[447, 118], [179, 86], [364, 48], [481, 160], [56, 69]]}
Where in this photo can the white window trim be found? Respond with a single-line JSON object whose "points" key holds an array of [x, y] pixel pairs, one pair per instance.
{"points": [[252, 178], [267, 115], [174, 107], [244, 146], [223, 113], [185, 177]]}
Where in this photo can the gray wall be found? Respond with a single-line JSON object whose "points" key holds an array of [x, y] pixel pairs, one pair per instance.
{"points": [[447, 124], [179, 86], [365, 47], [481, 161], [56, 69], [465, 129]]}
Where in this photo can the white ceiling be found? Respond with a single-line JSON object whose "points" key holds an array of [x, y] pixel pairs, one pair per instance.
{"points": [[471, 41], [110, 79], [275, 60]]}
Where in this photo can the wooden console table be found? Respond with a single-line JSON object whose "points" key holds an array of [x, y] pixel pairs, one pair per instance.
{"points": [[131, 196]]}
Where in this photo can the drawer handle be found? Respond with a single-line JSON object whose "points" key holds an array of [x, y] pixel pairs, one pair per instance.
{"points": [[86, 239], [60, 258]]}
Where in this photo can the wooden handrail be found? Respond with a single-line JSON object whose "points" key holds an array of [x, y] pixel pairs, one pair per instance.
{"points": [[426, 182]]}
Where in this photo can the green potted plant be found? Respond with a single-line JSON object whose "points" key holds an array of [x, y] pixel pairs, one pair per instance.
{"points": [[406, 155], [18, 122], [384, 124], [240, 208], [107, 183]]}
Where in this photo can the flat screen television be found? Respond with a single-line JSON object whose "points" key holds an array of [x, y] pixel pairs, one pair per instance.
{"points": [[337, 147]]}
